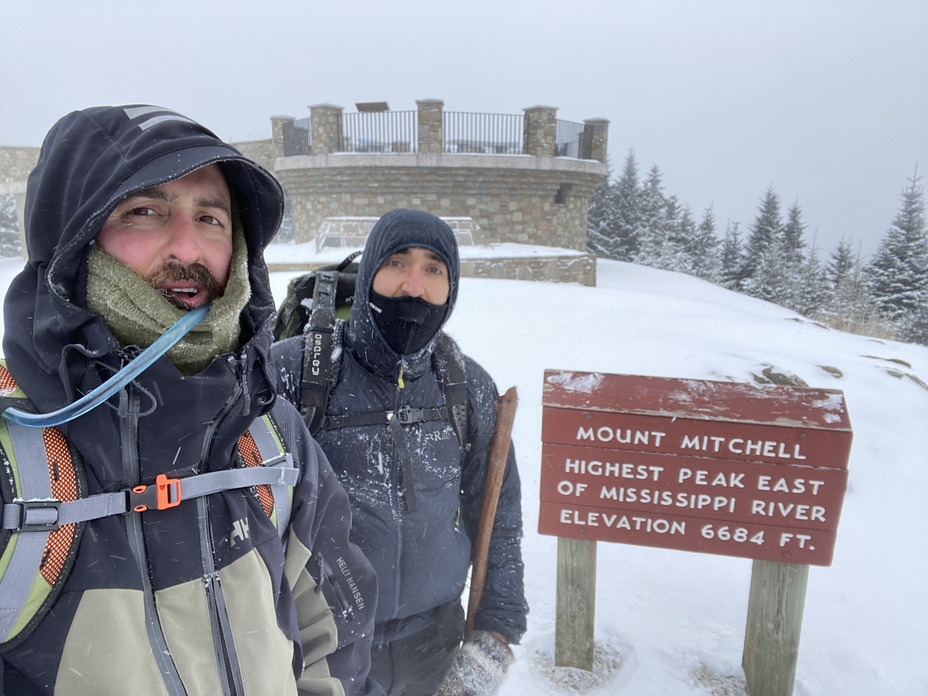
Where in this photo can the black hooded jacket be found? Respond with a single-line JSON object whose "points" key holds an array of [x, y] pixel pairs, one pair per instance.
{"points": [[202, 598], [421, 555]]}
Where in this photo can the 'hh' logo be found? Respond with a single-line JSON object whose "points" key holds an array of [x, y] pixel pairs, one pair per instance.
{"points": [[239, 531]]}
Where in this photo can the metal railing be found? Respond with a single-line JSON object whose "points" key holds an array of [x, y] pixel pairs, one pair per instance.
{"points": [[568, 140], [382, 131], [493, 134], [462, 132]]}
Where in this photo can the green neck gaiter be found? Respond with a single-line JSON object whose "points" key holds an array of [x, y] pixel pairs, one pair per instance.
{"points": [[137, 313]]}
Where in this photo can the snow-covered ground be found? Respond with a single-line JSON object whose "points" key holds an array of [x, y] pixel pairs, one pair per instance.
{"points": [[672, 622]]}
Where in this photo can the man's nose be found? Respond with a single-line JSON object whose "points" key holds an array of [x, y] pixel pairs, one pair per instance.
{"points": [[413, 284], [183, 242]]}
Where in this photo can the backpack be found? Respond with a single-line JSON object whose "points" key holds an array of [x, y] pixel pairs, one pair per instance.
{"points": [[46, 505], [315, 307]]}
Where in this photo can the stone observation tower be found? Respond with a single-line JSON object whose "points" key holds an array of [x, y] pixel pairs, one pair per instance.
{"points": [[509, 182], [514, 187]]}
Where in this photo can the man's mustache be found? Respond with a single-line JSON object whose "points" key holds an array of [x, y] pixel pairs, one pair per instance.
{"points": [[175, 271]]}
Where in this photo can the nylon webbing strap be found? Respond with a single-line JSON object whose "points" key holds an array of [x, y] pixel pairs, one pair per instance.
{"points": [[405, 416], [318, 346], [41, 515], [402, 451], [28, 446], [449, 366], [269, 449]]}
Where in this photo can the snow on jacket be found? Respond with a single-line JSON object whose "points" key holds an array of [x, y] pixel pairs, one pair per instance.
{"points": [[203, 598], [421, 556]]}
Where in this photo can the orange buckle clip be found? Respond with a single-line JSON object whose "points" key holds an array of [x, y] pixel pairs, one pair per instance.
{"points": [[165, 494]]}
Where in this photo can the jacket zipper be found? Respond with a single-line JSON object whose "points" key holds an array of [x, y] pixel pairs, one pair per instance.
{"points": [[229, 669], [129, 401], [326, 575], [397, 504]]}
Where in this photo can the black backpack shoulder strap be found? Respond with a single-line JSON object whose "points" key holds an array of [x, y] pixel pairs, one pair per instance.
{"points": [[295, 311], [319, 337], [448, 363]]}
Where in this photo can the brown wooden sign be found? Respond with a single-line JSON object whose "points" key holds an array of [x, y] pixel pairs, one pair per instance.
{"points": [[713, 467]]}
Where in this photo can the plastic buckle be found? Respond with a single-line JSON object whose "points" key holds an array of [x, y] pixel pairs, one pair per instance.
{"points": [[164, 494], [38, 515], [407, 415]]}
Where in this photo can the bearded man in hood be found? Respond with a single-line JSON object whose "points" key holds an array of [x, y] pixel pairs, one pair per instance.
{"points": [[415, 482], [137, 218]]}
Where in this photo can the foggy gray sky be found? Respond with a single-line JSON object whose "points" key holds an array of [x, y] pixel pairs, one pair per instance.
{"points": [[825, 100]]}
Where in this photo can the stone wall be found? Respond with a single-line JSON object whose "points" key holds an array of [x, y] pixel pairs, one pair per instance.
{"points": [[513, 198], [260, 151], [15, 165], [580, 268], [531, 198]]}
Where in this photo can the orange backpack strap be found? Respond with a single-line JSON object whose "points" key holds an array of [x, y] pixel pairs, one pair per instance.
{"points": [[39, 469]]}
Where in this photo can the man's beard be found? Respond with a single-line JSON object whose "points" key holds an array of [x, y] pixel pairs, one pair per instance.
{"points": [[177, 271]]}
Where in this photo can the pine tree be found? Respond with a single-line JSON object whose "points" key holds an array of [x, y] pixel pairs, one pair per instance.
{"points": [[652, 205], [793, 232], [706, 260], [842, 263], [10, 245], [898, 272], [792, 247], [850, 305], [681, 237], [627, 211], [812, 293], [770, 281], [731, 258], [767, 228], [600, 220]]}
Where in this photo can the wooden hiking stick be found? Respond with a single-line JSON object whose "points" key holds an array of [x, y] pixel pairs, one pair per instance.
{"points": [[496, 467]]}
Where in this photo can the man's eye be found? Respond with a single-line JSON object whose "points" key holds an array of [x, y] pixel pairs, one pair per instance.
{"points": [[210, 220]]}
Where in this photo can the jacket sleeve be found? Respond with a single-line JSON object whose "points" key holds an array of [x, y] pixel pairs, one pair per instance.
{"points": [[333, 585], [503, 607]]}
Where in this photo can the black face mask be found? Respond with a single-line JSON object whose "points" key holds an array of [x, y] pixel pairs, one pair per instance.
{"points": [[407, 323]]}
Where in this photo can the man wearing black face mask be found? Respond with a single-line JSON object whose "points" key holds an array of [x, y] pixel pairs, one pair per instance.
{"points": [[415, 481]]}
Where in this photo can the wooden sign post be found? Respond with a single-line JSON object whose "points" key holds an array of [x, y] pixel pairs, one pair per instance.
{"points": [[695, 465]]}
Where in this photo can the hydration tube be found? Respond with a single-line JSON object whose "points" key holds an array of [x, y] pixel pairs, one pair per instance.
{"points": [[96, 397]]}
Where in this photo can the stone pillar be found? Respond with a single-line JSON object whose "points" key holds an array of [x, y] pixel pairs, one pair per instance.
{"points": [[279, 125], [540, 131], [595, 139], [430, 122], [326, 128]]}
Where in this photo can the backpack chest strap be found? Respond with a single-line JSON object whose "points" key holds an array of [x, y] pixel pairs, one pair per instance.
{"points": [[44, 514], [404, 416]]}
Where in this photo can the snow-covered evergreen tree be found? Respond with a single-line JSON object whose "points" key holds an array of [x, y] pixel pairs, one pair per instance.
{"points": [[627, 211], [731, 258], [682, 240], [600, 218], [850, 306], [770, 280], [767, 228], [793, 233], [898, 272], [10, 245], [706, 260], [812, 292], [652, 204]]}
